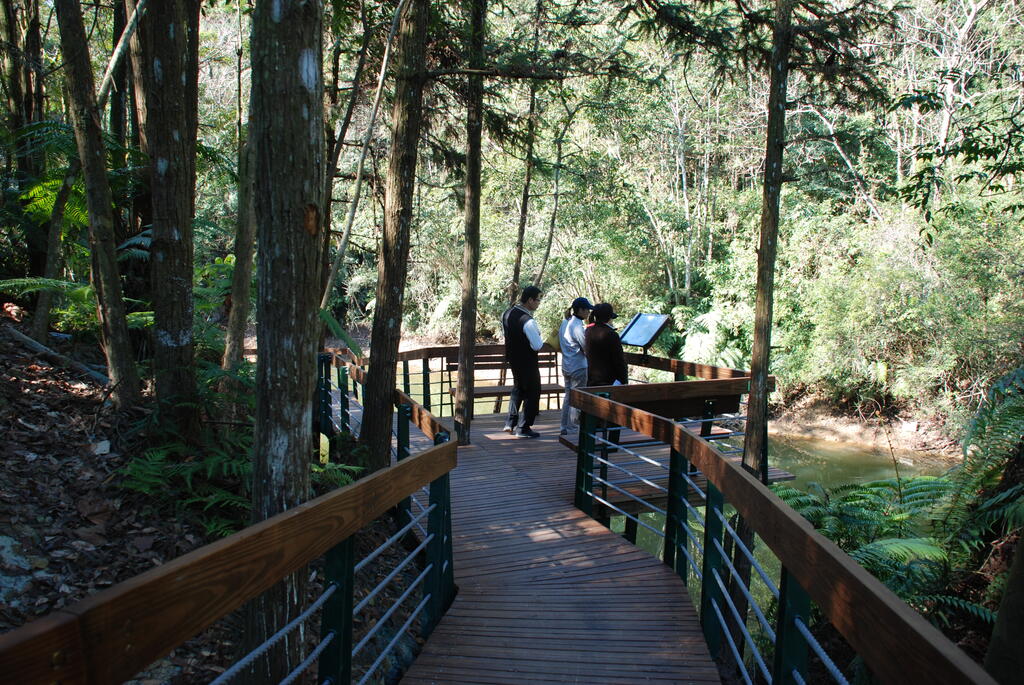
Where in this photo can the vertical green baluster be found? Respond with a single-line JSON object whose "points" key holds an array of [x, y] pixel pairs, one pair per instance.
{"points": [[336, 661], [448, 575], [404, 416], [790, 646], [677, 518], [604, 512], [343, 418], [435, 584], [323, 395], [426, 384], [406, 386], [712, 564], [585, 464]]}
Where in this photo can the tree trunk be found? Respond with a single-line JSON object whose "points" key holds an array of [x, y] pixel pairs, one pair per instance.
{"points": [[406, 118], [54, 253], [756, 440], [241, 277], [524, 203], [554, 210], [1004, 659], [167, 74], [477, 10], [105, 277], [287, 133]]}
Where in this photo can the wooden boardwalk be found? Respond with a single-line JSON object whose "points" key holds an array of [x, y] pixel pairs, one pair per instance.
{"points": [[547, 594]]}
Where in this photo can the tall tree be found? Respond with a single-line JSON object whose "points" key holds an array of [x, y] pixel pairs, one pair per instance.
{"points": [[287, 131], [105, 276], [406, 119], [477, 11], [166, 70]]}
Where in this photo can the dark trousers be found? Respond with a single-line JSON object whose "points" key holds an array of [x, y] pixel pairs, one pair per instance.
{"points": [[525, 394]]}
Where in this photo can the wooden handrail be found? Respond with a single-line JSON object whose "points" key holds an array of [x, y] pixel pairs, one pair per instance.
{"points": [[677, 390], [897, 643], [111, 636], [686, 368]]}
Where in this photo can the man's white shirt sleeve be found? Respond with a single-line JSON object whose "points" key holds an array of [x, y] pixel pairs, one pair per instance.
{"points": [[532, 331]]}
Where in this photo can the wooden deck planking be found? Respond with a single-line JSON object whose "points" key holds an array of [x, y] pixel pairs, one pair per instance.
{"points": [[547, 594]]}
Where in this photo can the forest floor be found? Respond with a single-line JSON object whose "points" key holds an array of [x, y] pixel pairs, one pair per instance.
{"points": [[69, 530]]}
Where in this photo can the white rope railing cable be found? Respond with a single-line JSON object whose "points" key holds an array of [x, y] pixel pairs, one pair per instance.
{"points": [[394, 607], [636, 478], [748, 554], [812, 642], [608, 504], [640, 500], [308, 661], [343, 246], [732, 644], [244, 662], [742, 626], [746, 592], [398, 635], [391, 576], [387, 543]]}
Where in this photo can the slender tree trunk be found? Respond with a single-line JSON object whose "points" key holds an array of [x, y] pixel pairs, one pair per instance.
{"points": [[54, 253], [407, 118], [477, 10], [755, 442], [524, 202], [168, 73], [287, 132], [105, 277], [241, 277], [554, 213]]}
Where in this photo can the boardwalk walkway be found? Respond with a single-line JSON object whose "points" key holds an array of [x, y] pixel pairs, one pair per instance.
{"points": [[547, 594]]}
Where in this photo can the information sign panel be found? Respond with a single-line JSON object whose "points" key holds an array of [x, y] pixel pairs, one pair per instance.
{"points": [[643, 329]]}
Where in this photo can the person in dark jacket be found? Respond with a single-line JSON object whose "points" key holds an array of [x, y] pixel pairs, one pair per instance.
{"points": [[606, 362], [522, 342]]}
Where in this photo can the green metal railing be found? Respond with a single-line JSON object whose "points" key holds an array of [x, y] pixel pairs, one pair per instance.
{"points": [[749, 562]]}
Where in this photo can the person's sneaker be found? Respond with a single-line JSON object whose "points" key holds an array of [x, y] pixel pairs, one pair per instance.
{"points": [[563, 432], [508, 428], [525, 433]]}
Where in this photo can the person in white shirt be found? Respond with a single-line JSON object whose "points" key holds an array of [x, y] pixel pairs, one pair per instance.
{"points": [[574, 361], [522, 342]]}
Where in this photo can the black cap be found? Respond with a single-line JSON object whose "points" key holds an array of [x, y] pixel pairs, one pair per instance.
{"points": [[582, 303], [604, 312]]}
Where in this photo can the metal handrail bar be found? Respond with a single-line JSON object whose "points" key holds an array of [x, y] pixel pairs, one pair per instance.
{"points": [[692, 484], [394, 607], [398, 635], [723, 436], [747, 637], [732, 643], [813, 643], [261, 649], [747, 553], [690, 533], [629, 516], [391, 576], [652, 507], [308, 661], [621, 448], [746, 591], [635, 477], [798, 678], [719, 418], [390, 541]]}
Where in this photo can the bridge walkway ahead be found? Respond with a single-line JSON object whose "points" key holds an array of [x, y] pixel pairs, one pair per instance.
{"points": [[547, 594]]}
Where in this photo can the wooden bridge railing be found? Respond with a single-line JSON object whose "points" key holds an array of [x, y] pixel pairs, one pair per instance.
{"points": [[114, 634], [895, 642]]}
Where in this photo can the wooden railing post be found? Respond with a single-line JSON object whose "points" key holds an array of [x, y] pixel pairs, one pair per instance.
{"points": [[585, 464], [712, 564], [335, 663], [676, 519], [440, 583], [790, 646]]}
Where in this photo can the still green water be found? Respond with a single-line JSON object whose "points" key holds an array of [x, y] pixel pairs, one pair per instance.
{"points": [[835, 463]]}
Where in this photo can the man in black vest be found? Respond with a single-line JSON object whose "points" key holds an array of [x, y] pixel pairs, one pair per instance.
{"points": [[522, 342]]}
